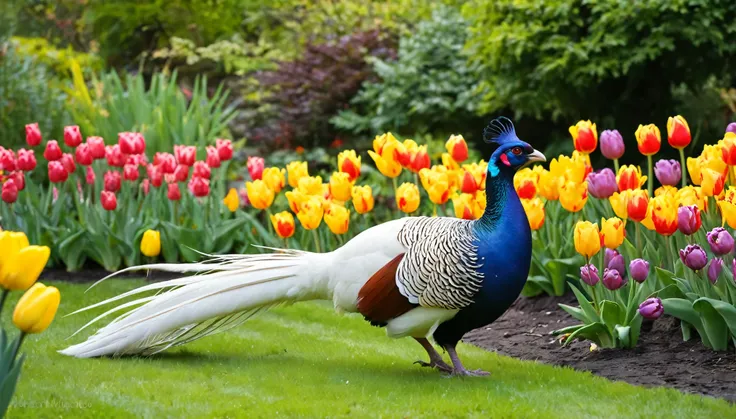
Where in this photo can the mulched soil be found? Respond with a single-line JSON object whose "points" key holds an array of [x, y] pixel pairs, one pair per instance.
{"points": [[660, 359]]}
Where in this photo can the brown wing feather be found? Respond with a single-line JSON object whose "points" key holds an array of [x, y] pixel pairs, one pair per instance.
{"points": [[379, 300]]}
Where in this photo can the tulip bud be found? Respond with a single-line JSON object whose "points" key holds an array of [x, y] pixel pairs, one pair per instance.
{"points": [[165, 161], [573, 196], [201, 170], [589, 274], [711, 182], [731, 127], [296, 170], [112, 181], [199, 186], [114, 156], [525, 183], [283, 224], [668, 172], [612, 279], [126, 141], [83, 155], [52, 151], [651, 308], [130, 172], [26, 160], [678, 132], [457, 148], [7, 160], [614, 260], [310, 212], [185, 155], [255, 167], [587, 238], [407, 197], [259, 194], [224, 149], [337, 219], [362, 199], [714, 270], [637, 205], [584, 136], [72, 136], [311, 185], [68, 162], [464, 203], [96, 146], [534, 209], [688, 219], [720, 240], [33, 135], [387, 163], [57, 172], [694, 257], [274, 178], [151, 243], [602, 184], [630, 177], [639, 270], [36, 309], [19, 179], [349, 162], [108, 200], [612, 144], [181, 173], [213, 157], [613, 232], [23, 266], [231, 200], [9, 191], [90, 176], [648, 139], [173, 192], [340, 186]]}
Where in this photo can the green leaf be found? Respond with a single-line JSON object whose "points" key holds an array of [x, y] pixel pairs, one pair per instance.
{"points": [[664, 276], [590, 313], [575, 312], [596, 332], [541, 282], [8, 384], [612, 314], [683, 310], [716, 321], [635, 326]]}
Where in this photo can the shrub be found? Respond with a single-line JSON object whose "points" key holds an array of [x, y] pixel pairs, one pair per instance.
{"points": [[429, 86]]}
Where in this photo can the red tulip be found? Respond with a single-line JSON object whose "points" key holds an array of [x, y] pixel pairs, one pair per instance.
{"points": [[7, 160], [165, 161], [112, 181], [185, 155], [53, 151], [199, 186], [26, 160], [57, 172], [96, 147], [139, 143], [19, 178], [115, 157], [174, 193], [130, 172], [72, 136], [90, 176], [469, 184], [126, 141], [33, 134], [181, 173], [201, 170], [68, 161], [146, 186], [224, 149], [155, 174], [213, 158], [83, 155], [10, 191], [108, 200], [255, 167]]}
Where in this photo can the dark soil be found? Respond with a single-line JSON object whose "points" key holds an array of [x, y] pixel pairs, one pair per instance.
{"points": [[660, 359]]}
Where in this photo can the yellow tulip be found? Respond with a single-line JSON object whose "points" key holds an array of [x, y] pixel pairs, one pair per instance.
{"points": [[341, 187], [407, 197], [36, 308], [549, 186], [449, 162], [728, 213], [663, 212], [296, 198], [630, 177], [349, 162], [310, 213], [386, 152], [571, 170], [587, 238], [691, 195], [666, 190], [693, 167], [457, 148], [534, 209], [23, 267], [573, 196], [464, 206], [274, 178], [10, 243], [283, 224], [480, 200], [613, 232], [525, 183], [711, 182], [232, 200], [584, 136], [296, 170], [259, 194], [311, 185], [479, 172], [151, 243], [362, 199], [620, 201], [337, 219], [649, 139], [437, 185]]}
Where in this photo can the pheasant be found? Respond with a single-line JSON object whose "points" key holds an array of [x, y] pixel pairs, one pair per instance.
{"points": [[417, 277]]}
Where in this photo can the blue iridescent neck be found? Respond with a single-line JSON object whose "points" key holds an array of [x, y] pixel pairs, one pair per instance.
{"points": [[500, 198]]}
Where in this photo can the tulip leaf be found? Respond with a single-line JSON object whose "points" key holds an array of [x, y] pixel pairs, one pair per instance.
{"points": [[726, 311], [71, 249], [590, 312], [612, 314], [9, 381], [623, 335], [683, 310], [575, 312], [687, 331], [596, 332], [664, 276], [542, 283], [635, 326]]}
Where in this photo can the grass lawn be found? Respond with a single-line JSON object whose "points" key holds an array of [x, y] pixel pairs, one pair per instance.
{"points": [[306, 361]]}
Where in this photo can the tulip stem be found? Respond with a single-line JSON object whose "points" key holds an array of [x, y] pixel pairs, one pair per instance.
{"points": [[316, 240], [592, 287], [638, 239], [434, 211], [18, 342], [650, 178], [615, 165], [670, 250], [3, 295], [683, 167], [269, 214]]}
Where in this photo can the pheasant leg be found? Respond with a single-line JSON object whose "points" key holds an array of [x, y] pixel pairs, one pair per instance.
{"points": [[459, 368], [435, 359]]}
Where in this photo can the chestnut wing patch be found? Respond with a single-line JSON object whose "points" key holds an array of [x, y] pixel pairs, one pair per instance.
{"points": [[380, 300]]}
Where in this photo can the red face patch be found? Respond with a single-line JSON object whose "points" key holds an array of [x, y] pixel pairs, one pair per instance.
{"points": [[504, 159]]}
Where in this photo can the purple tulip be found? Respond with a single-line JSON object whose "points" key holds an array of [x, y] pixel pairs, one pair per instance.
{"points": [[602, 183], [668, 172], [651, 308], [720, 241], [589, 274], [714, 270], [688, 219], [612, 279], [612, 144], [639, 270], [614, 260], [731, 127], [694, 257]]}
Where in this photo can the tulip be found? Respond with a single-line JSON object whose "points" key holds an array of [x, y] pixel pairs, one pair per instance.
{"points": [[26, 160], [283, 224], [165, 161], [296, 198], [602, 184], [612, 144], [310, 213], [388, 167], [232, 201], [185, 155], [419, 160], [678, 132], [201, 170], [463, 205], [711, 182], [337, 219], [714, 270], [349, 162], [731, 127], [664, 214], [651, 308], [173, 192], [648, 139], [68, 162], [108, 200], [155, 175], [407, 197], [587, 238], [52, 151], [96, 147], [457, 148], [126, 141], [274, 178], [480, 170], [114, 156], [449, 163], [139, 143], [637, 205], [181, 173], [728, 149], [112, 181], [630, 177], [613, 232], [340, 186], [259, 194], [668, 172], [200, 187], [694, 257], [83, 155], [296, 170], [534, 209], [36, 309], [130, 172], [615, 261], [573, 196], [151, 243], [468, 184], [612, 279], [23, 266], [728, 213], [311, 185], [362, 199], [720, 240], [255, 167], [589, 274], [57, 172], [691, 195], [33, 134], [549, 186], [89, 175], [72, 136], [224, 149], [213, 157], [9, 191], [584, 136], [639, 270], [19, 179], [7, 160], [570, 169], [437, 185], [525, 183], [688, 219]]}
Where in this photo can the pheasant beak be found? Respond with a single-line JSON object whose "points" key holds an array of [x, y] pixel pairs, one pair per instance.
{"points": [[535, 156]]}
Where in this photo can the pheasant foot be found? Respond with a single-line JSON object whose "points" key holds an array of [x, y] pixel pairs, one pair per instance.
{"points": [[435, 359], [459, 369]]}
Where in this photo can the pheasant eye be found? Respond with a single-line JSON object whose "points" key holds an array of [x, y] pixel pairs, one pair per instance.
{"points": [[516, 150]]}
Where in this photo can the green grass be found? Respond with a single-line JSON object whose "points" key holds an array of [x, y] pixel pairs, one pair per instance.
{"points": [[306, 361]]}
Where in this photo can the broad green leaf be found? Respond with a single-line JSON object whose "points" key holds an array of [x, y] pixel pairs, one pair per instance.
{"points": [[623, 335], [596, 332], [585, 305], [683, 310], [719, 320], [575, 312], [612, 314], [664, 276], [635, 326]]}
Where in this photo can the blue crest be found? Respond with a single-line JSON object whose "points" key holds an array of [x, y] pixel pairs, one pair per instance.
{"points": [[500, 131]]}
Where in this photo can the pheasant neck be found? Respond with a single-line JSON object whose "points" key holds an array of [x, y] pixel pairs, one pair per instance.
{"points": [[500, 198]]}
